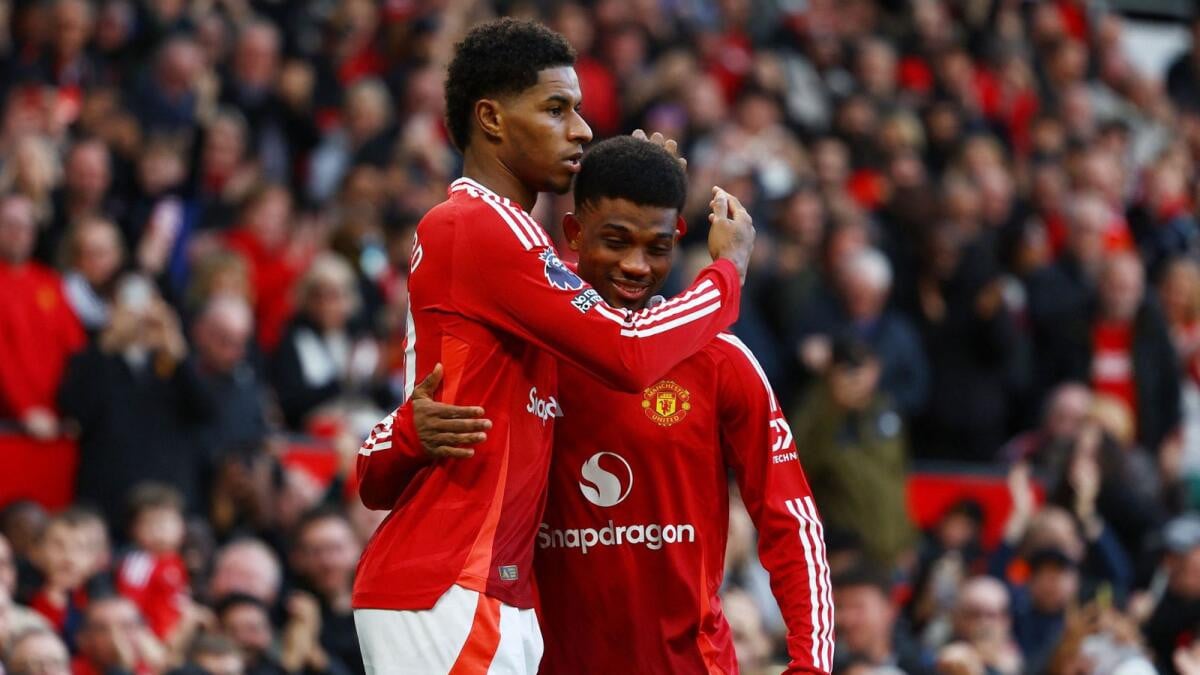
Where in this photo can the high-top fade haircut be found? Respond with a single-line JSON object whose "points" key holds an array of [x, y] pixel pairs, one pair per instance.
{"points": [[496, 58], [624, 167]]}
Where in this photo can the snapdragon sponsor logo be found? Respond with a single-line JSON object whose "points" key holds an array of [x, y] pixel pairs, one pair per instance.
{"points": [[653, 536], [543, 408]]}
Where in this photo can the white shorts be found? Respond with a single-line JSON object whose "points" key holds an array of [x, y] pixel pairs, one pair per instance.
{"points": [[464, 633]]}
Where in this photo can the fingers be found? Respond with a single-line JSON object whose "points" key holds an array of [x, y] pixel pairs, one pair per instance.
{"points": [[445, 411], [639, 134], [460, 426], [672, 147], [430, 384], [735, 207], [719, 204], [446, 451]]}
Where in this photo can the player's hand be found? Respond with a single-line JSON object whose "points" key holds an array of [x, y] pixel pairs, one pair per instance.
{"points": [[731, 235], [663, 142], [445, 430]]}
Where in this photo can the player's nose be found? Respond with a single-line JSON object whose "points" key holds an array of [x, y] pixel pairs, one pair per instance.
{"points": [[579, 131]]}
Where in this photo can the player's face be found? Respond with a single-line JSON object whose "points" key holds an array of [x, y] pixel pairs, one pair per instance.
{"points": [[624, 248], [544, 133]]}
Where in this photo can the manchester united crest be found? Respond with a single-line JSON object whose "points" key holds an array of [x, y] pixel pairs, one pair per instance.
{"points": [[666, 403]]}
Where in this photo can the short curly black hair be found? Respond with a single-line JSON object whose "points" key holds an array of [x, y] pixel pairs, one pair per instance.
{"points": [[498, 57], [624, 167]]}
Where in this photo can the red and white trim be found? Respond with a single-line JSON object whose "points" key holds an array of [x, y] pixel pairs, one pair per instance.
{"points": [[812, 540], [523, 226]]}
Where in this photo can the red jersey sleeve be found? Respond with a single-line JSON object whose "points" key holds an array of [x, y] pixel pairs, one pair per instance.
{"points": [[513, 279], [757, 443], [382, 476]]}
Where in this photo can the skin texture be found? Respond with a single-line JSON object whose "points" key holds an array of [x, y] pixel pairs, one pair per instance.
{"points": [[624, 248], [530, 142]]}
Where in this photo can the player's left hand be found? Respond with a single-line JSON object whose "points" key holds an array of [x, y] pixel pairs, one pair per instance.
{"points": [[445, 430], [663, 142]]}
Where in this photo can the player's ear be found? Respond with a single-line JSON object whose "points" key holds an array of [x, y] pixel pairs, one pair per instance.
{"points": [[572, 230], [489, 115]]}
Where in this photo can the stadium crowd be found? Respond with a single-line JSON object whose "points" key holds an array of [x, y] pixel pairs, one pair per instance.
{"points": [[977, 243]]}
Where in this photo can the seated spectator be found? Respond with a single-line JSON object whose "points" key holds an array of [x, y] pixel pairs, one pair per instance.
{"points": [[246, 621], [22, 524], [138, 402], [1177, 612], [863, 281], [851, 443], [214, 654], [37, 651], [326, 364], [866, 627], [14, 619], [115, 640], [324, 559], [94, 256], [65, 562], [248, 567], [152, 574], [1040, 608], [38, 329], [982, 620]]}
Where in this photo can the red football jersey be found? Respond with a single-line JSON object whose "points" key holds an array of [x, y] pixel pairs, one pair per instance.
{"points": [[158, 585], [490, 299], [630, 555]]}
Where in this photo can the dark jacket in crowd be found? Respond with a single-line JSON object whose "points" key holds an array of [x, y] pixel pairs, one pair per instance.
{"points": [[136, 424], [892, 338], [1063, 310]]}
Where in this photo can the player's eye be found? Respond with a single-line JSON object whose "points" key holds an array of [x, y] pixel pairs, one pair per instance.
{"points": [[614, 243], [556, 111], [660, 251]]}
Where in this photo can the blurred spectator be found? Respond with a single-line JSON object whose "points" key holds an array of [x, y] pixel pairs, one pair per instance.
{"points": [[14, 618], [326, 362], [168, 98], [1040, 610], [138, 402], [65, 562], [38, 330], [152, 574], [366, 136], [324, 559], [276, 255], [215, 655], [852, 446], [38, 651], [1177, 611], [246, 621], [970, 338], [863, 281], [84, 194], [221, 336], [866, 625], [982, 620], [114, 639], [94, 256], [248, 567]]}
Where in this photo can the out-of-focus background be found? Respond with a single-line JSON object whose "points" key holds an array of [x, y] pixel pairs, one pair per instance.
{"points": [[976, 291]]}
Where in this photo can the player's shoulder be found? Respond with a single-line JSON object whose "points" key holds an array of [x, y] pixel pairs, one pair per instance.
{"points": [[731, 355], [494, 220]]}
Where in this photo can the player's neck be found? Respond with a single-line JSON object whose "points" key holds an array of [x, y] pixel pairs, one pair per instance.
{"points": [[487, 170]]}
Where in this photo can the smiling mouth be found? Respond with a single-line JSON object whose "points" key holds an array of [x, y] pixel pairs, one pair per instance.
{"points": [[630, 291]]}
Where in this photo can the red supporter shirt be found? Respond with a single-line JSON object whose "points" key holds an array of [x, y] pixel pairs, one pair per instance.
{"points": [[631, 552], [1112, 361], [158, 585], [38, 333], [492, 302], [273, 274]]}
